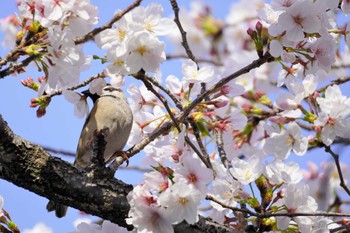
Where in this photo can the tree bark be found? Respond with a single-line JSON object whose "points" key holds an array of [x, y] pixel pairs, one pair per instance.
{"points": [[29, 166]]}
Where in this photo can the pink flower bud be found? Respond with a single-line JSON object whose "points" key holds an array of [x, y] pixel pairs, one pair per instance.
{"points": [[258, 26], [250, 32]]}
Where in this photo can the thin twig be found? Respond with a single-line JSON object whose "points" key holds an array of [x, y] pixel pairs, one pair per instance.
{"points": [[268, 215], [339, 229], [256, 63], [199, 60], [14, 53], [195, 149], [184, 114], [166, 90], [109, 24], [141, 76], [58, 151], [14, 67], [10, 56], [82, 84], [182, 31], [340, 66], [200, 143], [220, 146], [336, 81], [204, 156], [340, 173], [184, 40]]}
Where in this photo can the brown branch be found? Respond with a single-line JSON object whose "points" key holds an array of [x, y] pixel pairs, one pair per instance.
{"points": [[72, 154], [14, 67], [199, 60], [166, 90], [82, 84], [27, 165], [141, 76], [204, 157], [58, 151], [257, 63], [109, 24], [340, 173], [336, 81], [182, 31], [221, 150], [13, 55], [195, 149], [268, 215], [196, 133], [184, 114]]}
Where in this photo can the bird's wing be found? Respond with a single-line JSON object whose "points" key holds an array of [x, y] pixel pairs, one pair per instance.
{"points": [[84, 151]]}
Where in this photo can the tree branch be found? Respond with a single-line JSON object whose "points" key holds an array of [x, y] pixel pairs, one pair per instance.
{"points": [[182, 31], [340, 173], [109, 24], [199, 60], [180, 118], [27, 165], [14, 67]]}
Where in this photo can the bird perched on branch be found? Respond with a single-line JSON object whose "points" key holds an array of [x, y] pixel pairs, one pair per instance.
{"points": [[110, 114]]}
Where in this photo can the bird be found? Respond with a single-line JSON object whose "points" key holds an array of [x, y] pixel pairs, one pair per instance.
{"points": [[110, 113]]}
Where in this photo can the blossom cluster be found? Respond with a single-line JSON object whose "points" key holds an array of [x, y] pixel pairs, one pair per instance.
{"points": [[306, 50], [242, 134], [61, 22], [133, 44]]}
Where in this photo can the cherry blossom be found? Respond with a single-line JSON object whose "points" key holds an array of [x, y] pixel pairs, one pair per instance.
{"points": [[150, 219], [234, 129], [334, 110], [146, 52], [280, 144], [8, 25], [193, 172], [299, 18], [182, 202], [297, 200], [279, 172], [81, 108], [246, 171], [192, 74], [225, 191], [150, 19]]}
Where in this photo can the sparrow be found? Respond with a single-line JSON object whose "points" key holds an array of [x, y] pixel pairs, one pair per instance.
{"points": [[110, 113]]}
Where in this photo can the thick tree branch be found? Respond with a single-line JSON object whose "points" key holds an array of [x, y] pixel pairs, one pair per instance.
{"points": [[27, 165]]}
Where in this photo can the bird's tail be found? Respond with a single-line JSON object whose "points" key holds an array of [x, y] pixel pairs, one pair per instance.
{"points": [[60, 210]]}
